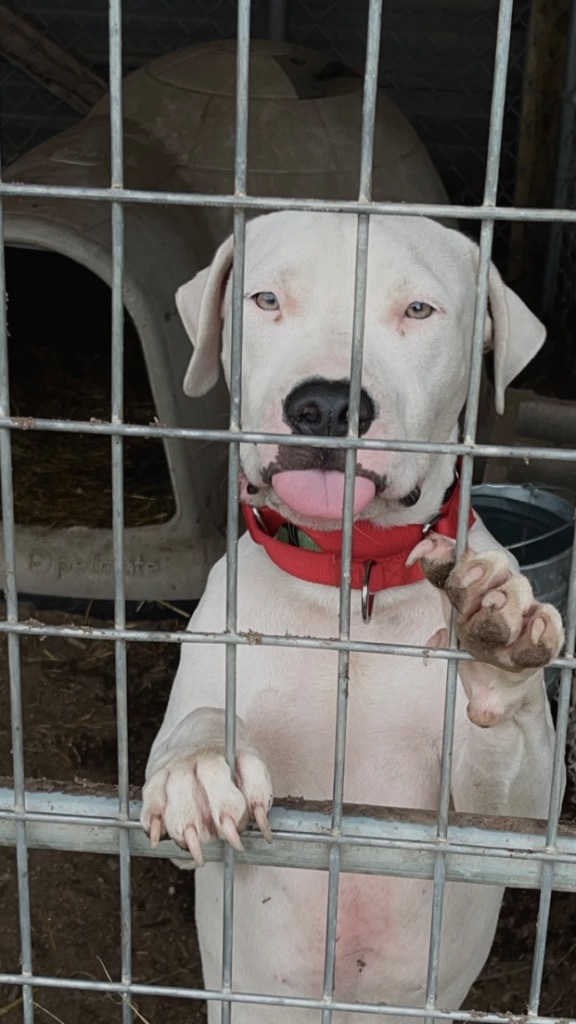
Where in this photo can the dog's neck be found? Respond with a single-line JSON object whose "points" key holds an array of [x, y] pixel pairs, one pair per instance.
{"points": [[379, 553]]}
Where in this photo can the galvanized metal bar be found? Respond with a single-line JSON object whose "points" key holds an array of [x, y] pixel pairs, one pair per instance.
{"points": [[240, 182], [179, 992], [548, 867], [89, 806], [564, 156], [264, 640], [13, 644], [117, 454], [331, 930], [278, 20], [370, 100], [520, 453], [370, 828], [115, 81], [345, 602], [556, 794], [264, 203], [452, 671], [311, 851], [563, 709], [368, 847], [542, 920], [481, 305], [358, 322]]}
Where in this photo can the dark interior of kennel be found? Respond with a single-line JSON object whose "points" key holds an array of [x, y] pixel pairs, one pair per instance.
{"points": [[59, 317], [437, 60]]}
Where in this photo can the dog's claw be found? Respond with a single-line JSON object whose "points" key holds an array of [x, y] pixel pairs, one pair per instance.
{"points": [[538, 629], [193, 843], [156, 830], [423, 548], [195, 799], [261, 819], [438, 639], [228, 830]]}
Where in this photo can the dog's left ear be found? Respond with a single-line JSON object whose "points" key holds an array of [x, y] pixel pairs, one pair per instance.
{"points": [[515, 335], [199, 303]]}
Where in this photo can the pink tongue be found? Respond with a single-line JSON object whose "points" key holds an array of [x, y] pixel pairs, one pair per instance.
{"points": [[320, 495]]}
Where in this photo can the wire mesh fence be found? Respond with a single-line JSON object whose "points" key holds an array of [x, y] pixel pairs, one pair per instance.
{"points": [[335, 842], [435, 61]]}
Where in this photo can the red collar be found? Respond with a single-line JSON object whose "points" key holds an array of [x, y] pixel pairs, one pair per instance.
{"points": [[385, 548]]}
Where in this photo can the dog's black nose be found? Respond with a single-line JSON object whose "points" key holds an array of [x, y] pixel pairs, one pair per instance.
{"points": [[320, 407]]}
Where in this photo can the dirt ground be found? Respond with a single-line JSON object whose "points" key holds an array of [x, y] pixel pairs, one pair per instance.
{"points": [[68, 689]]}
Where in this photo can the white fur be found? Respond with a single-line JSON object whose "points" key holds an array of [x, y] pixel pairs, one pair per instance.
{"points": [[416, 372]]}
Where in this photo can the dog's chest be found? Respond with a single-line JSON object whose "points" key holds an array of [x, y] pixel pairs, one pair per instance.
{"points": [[394, 702]]}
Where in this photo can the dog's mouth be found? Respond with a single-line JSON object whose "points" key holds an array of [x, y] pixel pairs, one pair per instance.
{"points": [[319, 494], [311, 482]]}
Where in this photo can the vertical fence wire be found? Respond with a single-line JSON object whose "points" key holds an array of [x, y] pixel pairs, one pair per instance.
{"points": [[556, 794], [365, 194], [470, 423], [564, 159], [278, 19], [13, 645], [240, 185], [117, 454]]}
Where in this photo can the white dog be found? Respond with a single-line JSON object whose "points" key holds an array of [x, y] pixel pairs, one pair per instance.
{"points": [[298, 299]]}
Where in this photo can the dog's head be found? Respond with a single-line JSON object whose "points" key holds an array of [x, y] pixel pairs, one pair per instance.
{"points": [[297, 336]]}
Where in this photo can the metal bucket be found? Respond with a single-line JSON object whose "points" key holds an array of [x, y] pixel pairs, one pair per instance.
{"points": [[537, 527]]}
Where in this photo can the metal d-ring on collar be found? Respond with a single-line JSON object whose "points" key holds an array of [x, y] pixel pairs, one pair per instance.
{"points": [[367, 594], [260, 521], [432, 522]]}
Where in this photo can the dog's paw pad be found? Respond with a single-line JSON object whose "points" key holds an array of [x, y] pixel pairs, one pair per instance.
{"points": [[479, 580], [541, 640], [498, 621]]}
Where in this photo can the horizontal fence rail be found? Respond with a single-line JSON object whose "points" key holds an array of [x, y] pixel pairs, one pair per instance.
{"points": [[267, 204], [373, 840]]}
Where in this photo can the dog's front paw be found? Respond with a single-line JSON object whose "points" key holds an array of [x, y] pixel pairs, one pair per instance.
{"points": [[194, 799], [498, 620]]}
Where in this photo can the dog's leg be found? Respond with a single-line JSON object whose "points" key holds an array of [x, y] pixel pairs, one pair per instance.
{"points": [[190, 793], [503, 761]]}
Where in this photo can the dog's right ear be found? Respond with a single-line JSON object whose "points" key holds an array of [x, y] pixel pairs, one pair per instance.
{"points": [[199, 304]]}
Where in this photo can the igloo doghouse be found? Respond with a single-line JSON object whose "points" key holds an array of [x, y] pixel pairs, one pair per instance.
{"points": [[305, 124]]}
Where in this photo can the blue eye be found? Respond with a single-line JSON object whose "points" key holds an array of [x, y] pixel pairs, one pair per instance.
{"points": [[419, 310], [266, 300]]}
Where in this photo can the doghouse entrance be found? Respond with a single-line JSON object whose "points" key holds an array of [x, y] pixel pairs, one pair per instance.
{"points": [[59, 319]]}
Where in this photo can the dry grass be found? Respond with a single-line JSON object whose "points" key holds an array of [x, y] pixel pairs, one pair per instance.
{"points": [[63, 480]]}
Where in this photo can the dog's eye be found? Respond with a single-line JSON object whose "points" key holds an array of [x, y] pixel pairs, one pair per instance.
{"points": [[266, 300], [419, 310]]}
